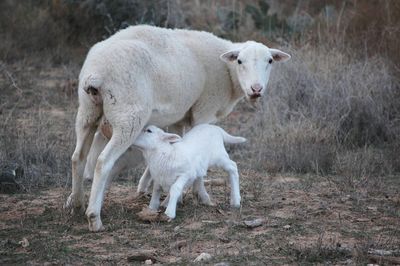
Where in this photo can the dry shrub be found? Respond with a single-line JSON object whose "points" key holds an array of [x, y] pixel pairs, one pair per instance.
{"points": [[322, 105], [40, 146]]}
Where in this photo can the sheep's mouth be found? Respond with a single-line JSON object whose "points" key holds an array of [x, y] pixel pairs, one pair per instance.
{"points": [[254, 96]]}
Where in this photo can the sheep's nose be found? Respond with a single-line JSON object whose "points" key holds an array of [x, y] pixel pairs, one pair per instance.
{"points": [[256, 88]]}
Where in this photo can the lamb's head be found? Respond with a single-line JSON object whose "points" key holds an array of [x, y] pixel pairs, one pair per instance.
{"points": [[252, 63], [153, 137]]}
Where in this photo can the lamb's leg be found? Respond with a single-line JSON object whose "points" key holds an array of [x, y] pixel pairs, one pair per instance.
{"points": [[123, 136], [231, 167], [155, 197], [166, 200], [144, 181], [85, 128], [200, 191], [175, 192]]}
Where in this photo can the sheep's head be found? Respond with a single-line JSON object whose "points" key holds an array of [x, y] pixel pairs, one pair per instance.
{"points": [[152, 137], [253, 63]]}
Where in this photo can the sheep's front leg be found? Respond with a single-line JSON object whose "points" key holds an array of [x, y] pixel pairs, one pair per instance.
{"points": [[155, 197], [175, 193]]}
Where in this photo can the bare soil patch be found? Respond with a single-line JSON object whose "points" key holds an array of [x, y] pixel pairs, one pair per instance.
{"points": [[306, 219]]}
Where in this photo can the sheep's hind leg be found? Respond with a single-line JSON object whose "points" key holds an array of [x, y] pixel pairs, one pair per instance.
{"points": [[123, 137], [85, 128]]}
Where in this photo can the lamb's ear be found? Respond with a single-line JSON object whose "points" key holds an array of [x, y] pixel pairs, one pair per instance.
{"points": [[279, 56], [171, 138], [229, 56]]}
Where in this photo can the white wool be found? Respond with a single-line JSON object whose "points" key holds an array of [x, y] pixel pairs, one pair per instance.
{"points": [[176, 163]]}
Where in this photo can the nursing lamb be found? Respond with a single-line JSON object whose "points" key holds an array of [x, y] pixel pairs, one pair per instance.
{"points": [[148, 75], [176, 163]]}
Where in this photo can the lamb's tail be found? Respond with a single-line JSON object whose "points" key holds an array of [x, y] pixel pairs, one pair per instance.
{"points": [[231, 139]]}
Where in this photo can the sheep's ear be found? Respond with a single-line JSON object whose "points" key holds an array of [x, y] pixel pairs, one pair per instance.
{"points": [[230, 56], [171, 138], [279, 56]]}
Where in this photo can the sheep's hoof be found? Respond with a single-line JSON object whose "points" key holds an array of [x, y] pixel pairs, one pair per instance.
{"points": [[169, 216], [75, 204], [95, 224]]}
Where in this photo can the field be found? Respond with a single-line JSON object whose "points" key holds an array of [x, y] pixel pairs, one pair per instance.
{"points": [[320, 174]]}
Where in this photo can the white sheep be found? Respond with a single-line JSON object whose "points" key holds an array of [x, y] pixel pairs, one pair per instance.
{"points": [[149, 75], [176, 163]]}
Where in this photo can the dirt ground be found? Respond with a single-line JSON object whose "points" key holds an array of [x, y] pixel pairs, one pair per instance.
{"points": [[304, 219], [297, 219]]}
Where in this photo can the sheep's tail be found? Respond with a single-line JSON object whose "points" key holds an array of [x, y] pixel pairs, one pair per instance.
{"points": [[92, 85], [231, 139]]}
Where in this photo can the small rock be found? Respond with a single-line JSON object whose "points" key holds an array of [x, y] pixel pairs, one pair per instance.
{"points": [[221, 264], [287, 227], [210, 222], [380, 252], [202, 257], [372, 208], [254, 223], [176, 229], [24, 242], [148, 262], [362, 220]]}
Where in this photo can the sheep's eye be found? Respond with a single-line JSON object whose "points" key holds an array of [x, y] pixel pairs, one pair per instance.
{"points": [[149, 131], [239, 62], [270, 61]]}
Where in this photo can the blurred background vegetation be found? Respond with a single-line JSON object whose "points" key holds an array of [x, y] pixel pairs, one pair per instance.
{"points": [[333, 109]]}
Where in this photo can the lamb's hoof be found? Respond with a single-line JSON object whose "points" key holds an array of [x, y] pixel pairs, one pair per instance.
{"points": [[95, 224], [235, 205], [74, 204]]}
